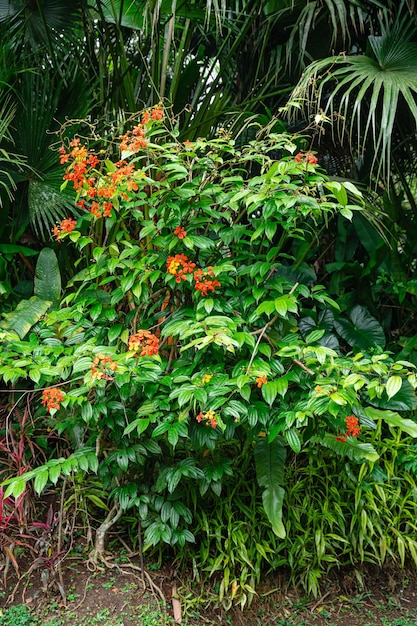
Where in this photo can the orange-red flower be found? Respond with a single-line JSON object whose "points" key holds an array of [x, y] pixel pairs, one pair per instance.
{"points": [[103, 367], [133, 141], [145, 341], [66, 226], [209, 417], [180, 232], [308, 157], [352, 428], [204, 284], [261, 380], [157, 113], [179, 266], [52, 397]]}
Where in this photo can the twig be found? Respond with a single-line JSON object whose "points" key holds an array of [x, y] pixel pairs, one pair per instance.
{"points": [[304, 367], [314, 607], [263, 331]]}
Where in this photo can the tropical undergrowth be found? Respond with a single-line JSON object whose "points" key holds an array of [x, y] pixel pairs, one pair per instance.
{"points": [[194, 372]]}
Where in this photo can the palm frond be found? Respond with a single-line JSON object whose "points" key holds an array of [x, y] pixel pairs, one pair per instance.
{"points": [[364, 91]]}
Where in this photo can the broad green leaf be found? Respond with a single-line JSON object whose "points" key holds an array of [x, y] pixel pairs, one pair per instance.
{"points": [[270, 471], [351, 448], [393, 385], [393, 419], [293, 439], [404, 400], [15, 488], [82, 365], [25, 315], [40, 481], [47, 284], [362, 331], [269, 392], [54, 473]]}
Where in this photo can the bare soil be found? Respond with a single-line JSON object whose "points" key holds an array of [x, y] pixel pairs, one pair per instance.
{"points": [[119, 594]]}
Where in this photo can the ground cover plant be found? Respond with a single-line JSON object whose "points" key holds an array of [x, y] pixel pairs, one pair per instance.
{"points": [[192, 350]]}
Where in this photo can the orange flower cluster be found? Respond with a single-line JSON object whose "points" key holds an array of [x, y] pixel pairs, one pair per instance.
{"points": [[51, 398], [145, 341], [261, 380], [352, 428], [81, 162], [209, 418], [180, 232], [307, 158], [179, 266], [66, 226], [133, 141], [204, 284], [101, 210], [91, 183], [155, 114], [102, 367]]}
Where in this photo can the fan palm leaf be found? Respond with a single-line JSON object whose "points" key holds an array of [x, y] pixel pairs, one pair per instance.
{"points": [[366, 89]]}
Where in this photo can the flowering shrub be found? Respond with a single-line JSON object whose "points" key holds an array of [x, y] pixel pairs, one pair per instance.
{"points": [[196, 325]]}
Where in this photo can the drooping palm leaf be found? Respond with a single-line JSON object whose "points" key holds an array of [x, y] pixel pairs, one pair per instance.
{"points": [[366, 89]]}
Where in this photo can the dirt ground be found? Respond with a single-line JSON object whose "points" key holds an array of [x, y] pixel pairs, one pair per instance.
{"points": [[121, 595]]}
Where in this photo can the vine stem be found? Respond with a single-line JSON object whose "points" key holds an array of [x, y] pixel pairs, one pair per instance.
{"points": [[263, 331]]}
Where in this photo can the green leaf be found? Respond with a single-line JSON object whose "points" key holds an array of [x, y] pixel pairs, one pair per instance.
{"points": [[47, 285], [393, 419], [40, 481], [393, 385], [404, 400], [363, 331], [351, 448], [269, 391], [25, 315], [114, 332], [270, 470], [81, 365], [54, 473], [293, 439], [15, 488]]}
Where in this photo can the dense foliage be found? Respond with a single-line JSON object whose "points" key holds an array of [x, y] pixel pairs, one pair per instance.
{"points": [[208, 325], [194, 346]]}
